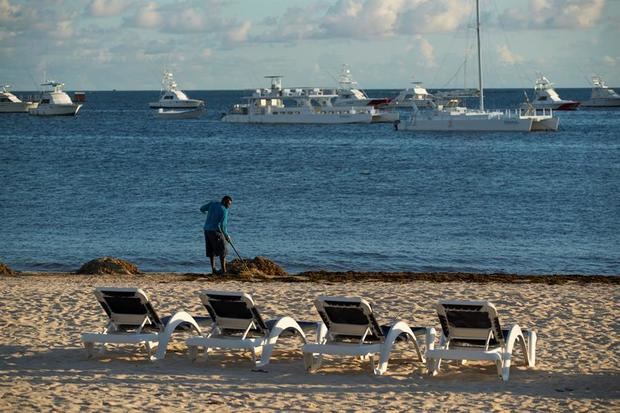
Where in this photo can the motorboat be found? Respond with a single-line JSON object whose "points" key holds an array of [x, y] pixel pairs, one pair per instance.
{"points": [[348, 94], [173, 98], [9, 103], [416, 96], [296, 105], [194, 113], [55, 102], [451, 117], [602, 95], [545, 97]]}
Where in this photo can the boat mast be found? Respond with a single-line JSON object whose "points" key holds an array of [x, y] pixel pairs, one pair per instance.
{"points": [[479, 56]]}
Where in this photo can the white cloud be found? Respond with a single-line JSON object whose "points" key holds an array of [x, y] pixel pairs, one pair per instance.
{"points": [[506, 56], [426, 51], [611, 60], [8, 11], [108, 8], [555, 14], [238, 34], [148, 16]]}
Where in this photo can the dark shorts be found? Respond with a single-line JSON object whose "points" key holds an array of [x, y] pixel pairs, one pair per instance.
{"points": [[215, 244]]}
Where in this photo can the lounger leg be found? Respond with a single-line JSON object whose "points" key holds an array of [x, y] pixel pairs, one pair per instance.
{"points": [[531, 348], [312, 363], [505, 371], [90, 347], [192, 352]]}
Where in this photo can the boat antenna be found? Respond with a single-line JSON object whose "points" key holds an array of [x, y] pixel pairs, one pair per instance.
{"points": [[479, 56]]}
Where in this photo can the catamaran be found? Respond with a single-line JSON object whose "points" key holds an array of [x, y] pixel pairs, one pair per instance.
{"points": [[456, 118]]}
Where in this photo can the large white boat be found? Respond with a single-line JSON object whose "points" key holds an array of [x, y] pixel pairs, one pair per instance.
{"points": [[297, 105], [9, 103], [455, 118], [602, 95], [55, 102], [173, 98], [348, 94], [416, 96], [545, 97]]}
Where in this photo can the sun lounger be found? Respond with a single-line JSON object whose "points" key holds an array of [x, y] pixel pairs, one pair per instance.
{"points": [[471, 331], [238, 324], [350, 328], [133, 320]]}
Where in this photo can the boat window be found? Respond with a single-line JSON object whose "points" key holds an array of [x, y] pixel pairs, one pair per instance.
{"points": [[4, 100], [543, 98], [167, 97], [45, 101]]}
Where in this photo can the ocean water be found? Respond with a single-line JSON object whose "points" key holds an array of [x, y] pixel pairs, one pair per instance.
{"points": [[116, 181]]}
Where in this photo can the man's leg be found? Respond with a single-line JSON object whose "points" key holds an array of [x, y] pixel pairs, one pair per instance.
{"points": [[223, 263], [212, 260]]}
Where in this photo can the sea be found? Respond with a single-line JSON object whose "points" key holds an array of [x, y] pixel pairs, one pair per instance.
{"points": [[116, 181]]}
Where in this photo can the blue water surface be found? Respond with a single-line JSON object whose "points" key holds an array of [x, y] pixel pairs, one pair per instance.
{"points": [[116, 181]]}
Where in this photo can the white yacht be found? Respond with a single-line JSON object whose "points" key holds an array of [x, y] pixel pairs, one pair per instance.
{"points": [[9, 103], [545, 97], [452, 117], [173, 98], [602, 95], [298, 105], [416, 96], [55, 102], [348, 94]]}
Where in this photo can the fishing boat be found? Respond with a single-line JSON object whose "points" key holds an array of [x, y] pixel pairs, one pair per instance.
{"points": [[297, 105], [173, 98], [453, 118], [416, 96], [602, 95], [348, 94], [9, 103], [55, 102], [545, 97]]}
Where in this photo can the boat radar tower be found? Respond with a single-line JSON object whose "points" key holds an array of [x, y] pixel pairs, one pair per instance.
{"points": [[276, 82]]}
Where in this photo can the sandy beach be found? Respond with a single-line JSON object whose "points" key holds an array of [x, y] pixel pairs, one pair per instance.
{"points": [[43, 366]]}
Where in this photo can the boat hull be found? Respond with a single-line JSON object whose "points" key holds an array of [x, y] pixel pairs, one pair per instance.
{"points": [[385, 117], [177, 104], [17, 107], [299, 119], [601, 103], [565, 105], [56, 110], [458, 124], [179, 114]]}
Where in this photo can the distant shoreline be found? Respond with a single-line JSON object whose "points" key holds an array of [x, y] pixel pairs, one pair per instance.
{"points": [[343, 276]]}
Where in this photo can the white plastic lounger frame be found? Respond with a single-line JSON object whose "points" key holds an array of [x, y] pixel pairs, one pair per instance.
{"points": [[350, 328], [471, 331], [237, 324], [133, 320]]}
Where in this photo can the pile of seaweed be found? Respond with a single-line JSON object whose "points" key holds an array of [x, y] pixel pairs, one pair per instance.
{"points": [[6, 270], [108, 265], [259, 267]]}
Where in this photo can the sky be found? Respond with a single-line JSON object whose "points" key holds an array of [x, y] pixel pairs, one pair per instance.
{"points": [[233, 44]]}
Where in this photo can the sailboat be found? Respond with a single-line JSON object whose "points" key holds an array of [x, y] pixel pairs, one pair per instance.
{"points": [[460, 119]]}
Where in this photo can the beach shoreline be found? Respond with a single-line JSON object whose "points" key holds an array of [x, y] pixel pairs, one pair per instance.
{"points": [[44, 365]]}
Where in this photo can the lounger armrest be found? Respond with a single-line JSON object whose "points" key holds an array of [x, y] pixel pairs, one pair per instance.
{"points": [[174, 322]]}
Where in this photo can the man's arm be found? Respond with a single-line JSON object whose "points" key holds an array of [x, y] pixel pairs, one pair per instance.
{"points": [[205, 208]]}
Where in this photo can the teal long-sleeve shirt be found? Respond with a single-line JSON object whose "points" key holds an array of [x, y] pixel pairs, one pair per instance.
{"points": [[217, 217]]}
